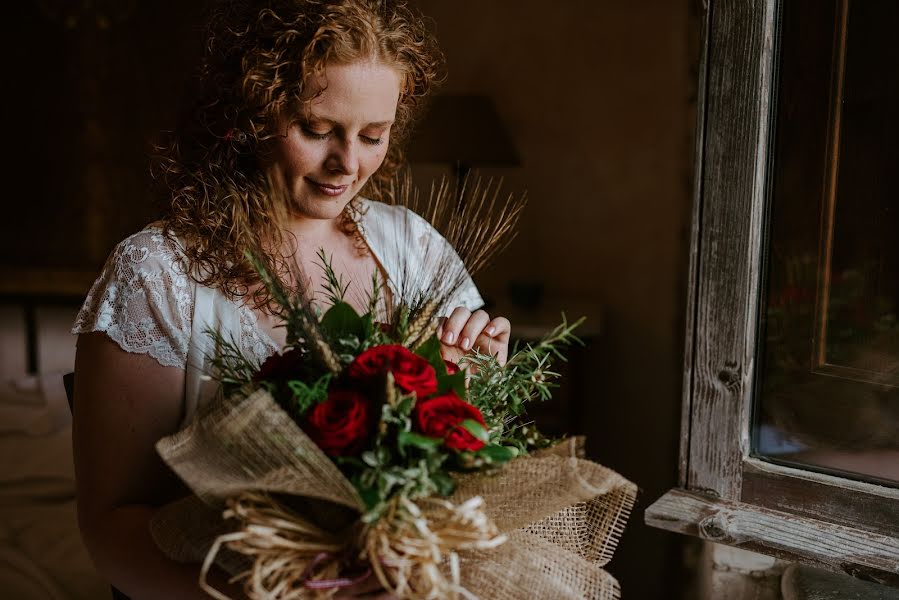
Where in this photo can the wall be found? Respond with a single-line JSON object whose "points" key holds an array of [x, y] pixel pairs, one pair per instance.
{"points": [[597, 96]]}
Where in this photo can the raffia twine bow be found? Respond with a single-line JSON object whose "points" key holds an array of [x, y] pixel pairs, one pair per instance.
{"points": [[282, 547], [410, 543], [406, 548]]}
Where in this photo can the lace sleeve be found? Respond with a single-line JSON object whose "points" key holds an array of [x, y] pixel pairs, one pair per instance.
{"points": [[143, 300]]}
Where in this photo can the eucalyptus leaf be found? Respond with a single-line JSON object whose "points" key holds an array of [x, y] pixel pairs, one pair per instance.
{"points": [[408, 438], [370, 459], [476, 429], [496, 454]]}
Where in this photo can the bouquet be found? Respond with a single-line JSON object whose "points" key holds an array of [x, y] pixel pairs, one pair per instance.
{"points": [[358, 451]]}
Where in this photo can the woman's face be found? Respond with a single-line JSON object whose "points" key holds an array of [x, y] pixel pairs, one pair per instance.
{"points": [[340, 140]]}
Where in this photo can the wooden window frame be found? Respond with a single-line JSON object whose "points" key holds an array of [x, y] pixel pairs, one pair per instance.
{"points": [[725, 495]]}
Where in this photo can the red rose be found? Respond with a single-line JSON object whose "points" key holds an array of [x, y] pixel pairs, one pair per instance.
{"points": [[451, 367], [411, 372], [280, 366], [442, 416], [340, 425]]}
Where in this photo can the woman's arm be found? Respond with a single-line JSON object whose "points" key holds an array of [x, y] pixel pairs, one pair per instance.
{"points": [[124, 403]]}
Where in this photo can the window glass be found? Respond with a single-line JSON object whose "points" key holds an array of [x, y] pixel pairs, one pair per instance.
{"points": [[827, 394]]}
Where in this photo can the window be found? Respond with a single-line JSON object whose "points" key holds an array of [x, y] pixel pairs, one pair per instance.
{"points": [[790, 427]]}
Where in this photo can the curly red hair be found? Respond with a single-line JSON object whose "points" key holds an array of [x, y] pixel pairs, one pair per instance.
{"points": [[259, 59]]}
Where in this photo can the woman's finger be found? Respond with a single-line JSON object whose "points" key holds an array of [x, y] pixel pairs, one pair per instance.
{"points": [[472, 329], [494, 340], [452, 327], [499, 328]]}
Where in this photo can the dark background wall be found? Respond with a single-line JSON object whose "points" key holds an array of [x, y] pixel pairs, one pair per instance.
{"points": [[598, 100]]}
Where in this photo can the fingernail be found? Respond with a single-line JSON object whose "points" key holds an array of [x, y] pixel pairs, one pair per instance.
{"points": [[449, 337], [491, 330], [465, 343]]}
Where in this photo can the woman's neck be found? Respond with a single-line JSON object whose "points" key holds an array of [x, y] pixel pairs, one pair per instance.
{"points": [[319, 232]]}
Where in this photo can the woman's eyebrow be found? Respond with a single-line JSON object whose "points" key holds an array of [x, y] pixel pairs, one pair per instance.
{"points": [[333, 123]]}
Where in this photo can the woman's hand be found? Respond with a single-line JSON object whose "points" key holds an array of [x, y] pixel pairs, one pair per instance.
{"points": [[465, 330]]}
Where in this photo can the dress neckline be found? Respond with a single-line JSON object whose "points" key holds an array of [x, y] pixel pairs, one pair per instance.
{"points": [[253, 318]]}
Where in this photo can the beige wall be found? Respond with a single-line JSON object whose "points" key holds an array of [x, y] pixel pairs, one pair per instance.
{"points": [[598, 98]]}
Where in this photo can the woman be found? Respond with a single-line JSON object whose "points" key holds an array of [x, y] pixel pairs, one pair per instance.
{"points": [[300, 105]]}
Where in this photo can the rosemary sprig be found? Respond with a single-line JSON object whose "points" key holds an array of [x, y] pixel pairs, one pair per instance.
{"points": [[299, 317], [502, 392], [232, 368], [335, 288]]}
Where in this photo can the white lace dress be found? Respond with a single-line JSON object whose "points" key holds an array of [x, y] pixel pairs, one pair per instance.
{"points": [[146, 303]]}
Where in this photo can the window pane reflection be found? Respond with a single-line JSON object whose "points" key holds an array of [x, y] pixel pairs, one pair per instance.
{"points": [[828, 388]]}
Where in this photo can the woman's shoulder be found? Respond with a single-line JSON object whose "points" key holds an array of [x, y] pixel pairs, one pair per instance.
{"points": [[152, 244], [149, 253], [389, 218], [143, 297]]}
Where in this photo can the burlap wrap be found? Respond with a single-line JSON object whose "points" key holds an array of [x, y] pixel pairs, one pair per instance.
{"points": [[563, 514]]}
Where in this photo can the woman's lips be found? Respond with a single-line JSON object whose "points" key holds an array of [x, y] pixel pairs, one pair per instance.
{"points": [[327, 189]]}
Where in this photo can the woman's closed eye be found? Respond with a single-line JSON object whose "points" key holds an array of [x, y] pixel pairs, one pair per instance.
{"points": [[313, 134]]}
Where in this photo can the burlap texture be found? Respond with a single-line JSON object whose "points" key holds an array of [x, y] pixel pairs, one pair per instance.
{"points": [[563, 514], [249, 443]]}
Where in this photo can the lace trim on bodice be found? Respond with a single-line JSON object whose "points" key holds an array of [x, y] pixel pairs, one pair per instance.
{"points": [[254, 342]]}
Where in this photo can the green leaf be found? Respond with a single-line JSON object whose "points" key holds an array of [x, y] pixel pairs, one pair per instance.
{"points": [[496, 454], [455, 382], [342, 321], [370, 459], [430, 351], [307, 396], [404, 407], [408, 438], [476, 429], [444, 483], [370, 496]]}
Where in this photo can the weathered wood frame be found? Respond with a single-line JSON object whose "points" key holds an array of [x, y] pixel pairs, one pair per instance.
{"points": [[725, 495]]}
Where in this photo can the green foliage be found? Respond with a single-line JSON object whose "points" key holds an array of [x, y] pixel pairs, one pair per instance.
{"points": [[501, 393], [398, 459], [430, 351], [477, 430], [233, 370], [307, 396], [345, 329], [335, 287]]}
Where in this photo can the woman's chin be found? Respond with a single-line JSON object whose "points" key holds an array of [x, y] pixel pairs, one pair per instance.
{"points": [[321, 208]]}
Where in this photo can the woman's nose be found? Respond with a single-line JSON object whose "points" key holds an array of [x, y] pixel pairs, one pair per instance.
{"points": [[344, 158]]}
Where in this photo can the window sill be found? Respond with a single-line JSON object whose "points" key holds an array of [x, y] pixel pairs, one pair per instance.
{"points": [[862, 554]]}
